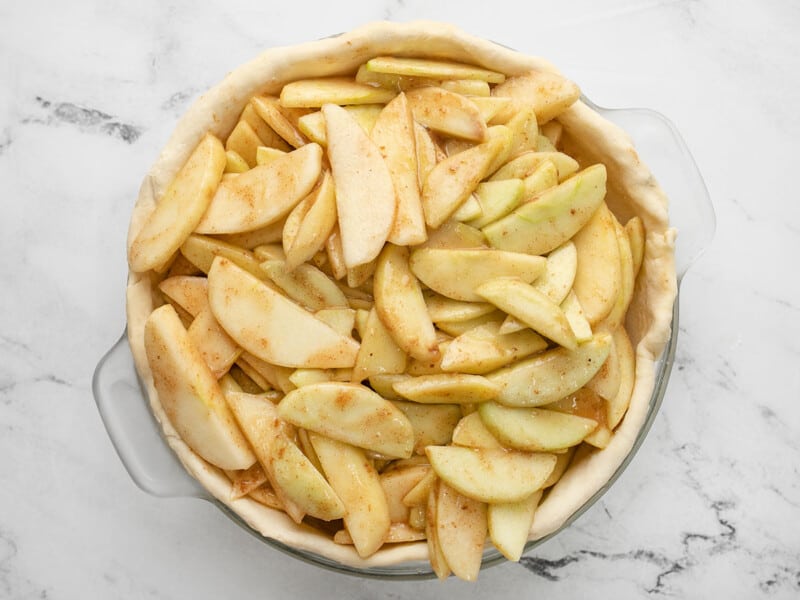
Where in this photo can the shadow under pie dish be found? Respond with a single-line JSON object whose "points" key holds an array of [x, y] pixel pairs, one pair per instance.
{"points": [[576, 137]]}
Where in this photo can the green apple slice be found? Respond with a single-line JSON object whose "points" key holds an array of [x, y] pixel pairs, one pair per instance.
{"points": [[472, 433], [458, 273], [190, 394], [365, 196], [452, 235], [378, 353], [549, 93], [484, 349], [401, 305], [461, 529], [551, 375], [449, 388], [552, 217], [526, 163], [180, 208], [530, 306], [263, 194], [393, 133], [314, 93], [544, 177], [434, 69], [272, 327], [350, 413], [490, 474], [509, 524], [447, 112], [358, 485], [534, 429], [627, 375], [497, 199], [576, 317], [559, 273]]}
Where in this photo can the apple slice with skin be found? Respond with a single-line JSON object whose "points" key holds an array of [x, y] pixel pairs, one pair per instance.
{"points": [[484, 349], [263, 194], [491, 474], [281, 119], [526, 163], [401, 305], [441, 308], [201, 250], [358, 485], [576, 317], [396, 484], [315, 226], [530, 306], [434, 69], [433, 424], [636, 236], [461, 529], [497, 199], [549, 93], [180, 208], [472, 433], [306, 285], [598, 278], [552, 217], [452, 235], [453, 179], [190, 394], [378, 353], [559, 273], [544, 177], [447, 112], [509, 524], [242, 142], [435, 554], [350, 413], [449, 388], [458, 273], [314, 93], [393, 133], [312, 125], [534, 429], [616, 315], [627, 375], [270, 326], [365, 196], [551, 375]]}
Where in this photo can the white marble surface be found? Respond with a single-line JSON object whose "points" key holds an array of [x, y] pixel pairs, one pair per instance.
{"points": [[89, 91]]}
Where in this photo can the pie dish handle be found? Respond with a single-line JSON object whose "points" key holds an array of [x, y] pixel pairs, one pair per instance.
{"points": [[133, 430], [665, 152]]}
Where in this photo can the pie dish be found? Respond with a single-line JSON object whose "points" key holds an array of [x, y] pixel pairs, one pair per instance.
{"points": [[588, 136]]}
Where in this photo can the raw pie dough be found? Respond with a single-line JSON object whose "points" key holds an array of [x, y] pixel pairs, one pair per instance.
{"points": [[588, 137]]}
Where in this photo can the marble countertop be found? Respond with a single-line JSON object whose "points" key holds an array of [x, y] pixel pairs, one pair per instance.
{"points": [[710, 507]]}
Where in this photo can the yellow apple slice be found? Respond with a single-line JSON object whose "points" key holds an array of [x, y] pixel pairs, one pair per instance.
{"points": [[245, 481], [452, 235], [553, 130], [469, 210], [576, 317], [180, 208], [635, 230], [598, 278], [358, 485], [265, 133], [265, 155], [530, 306], [365, 196], [216, 347], [483, 349], [315, 226], [559, 273], [447, 112], [303, 377], [263, 194], [401, 306], [461, 531], [383, 384], [496, 200], [248, 240], [314, 93], [270, 326], [453, 179], [441, 308], [534, 429], [306, 285], [187, 291], [234, 163], [551, 218], [450, 388], [433, 424], [491, 474], [393, 133], [350, 413], [524, 128], [267, 375], [549, 93], [457, 273], [399, 533], [544, 177], [490, 106], [340, 319], [427, 155], [563, 460], [457, 328], [435, 69], [378, 353], [396, 484], [313, 124], [472, 433], [190, 394], [606, 381], [526, 163], [244, 142], [627, 374], [509, 524], [551, 375], [435, 555], [282, 120], [543, 144], [201, 250], [616, 316]]}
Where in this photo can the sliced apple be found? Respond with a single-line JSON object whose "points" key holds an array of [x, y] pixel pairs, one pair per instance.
{"points": [[453, 179], [393, 133], [266, 374], [526, 163], [314, 93], [441, 308], [315, 225], [234, 163], [340, 319], [490, 106], [553, 130], [607, 380], [618, 405], [245, 481], [263, 194], [563, 460], [453, 234], [615, 317], [378, 353], [461, 531], [549, 93], [524, 128], [435, 554], [469, 210], [180, 208], [435, 69], [433, 424], [497, 199], [427, 155], [483, 349], [543, 177], [534, 429], [216, 347], [636, 236], [190, 394], [350, 413], [491, 474], [450, 388], [248, 240], [358, 485], [401, 306], [270, 326], [553, 217], [457, 273], [365, 196], [472, 433], [281, 119], [447, 112], [576, 317], [306, 285], [598, 278], [265, 155], [559, 273], [243, 141], [457, 328], [187, 291], [509, 524], [396, 484], [551, 375], [201, 250]]}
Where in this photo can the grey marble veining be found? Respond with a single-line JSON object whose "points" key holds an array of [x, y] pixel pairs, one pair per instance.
{"points": [[710, 506]]}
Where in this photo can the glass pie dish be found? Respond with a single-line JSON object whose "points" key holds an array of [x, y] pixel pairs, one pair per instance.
{"points": [[139, 438]]}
